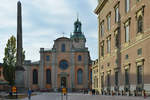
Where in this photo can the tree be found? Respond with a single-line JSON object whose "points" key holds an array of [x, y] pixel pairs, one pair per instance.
{"points": [[10, 60]]}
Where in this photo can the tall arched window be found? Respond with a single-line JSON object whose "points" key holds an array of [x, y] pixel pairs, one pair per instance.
{"points": [[80, 76], [48, 76], [140, 24], [79, 58], [63, 48], [35, 76]]}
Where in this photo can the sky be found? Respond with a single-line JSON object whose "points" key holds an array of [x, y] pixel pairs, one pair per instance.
{"points": [[43, 21]]}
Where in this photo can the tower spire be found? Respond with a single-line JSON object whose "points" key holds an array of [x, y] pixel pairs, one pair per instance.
{"points": [[77, 16]]}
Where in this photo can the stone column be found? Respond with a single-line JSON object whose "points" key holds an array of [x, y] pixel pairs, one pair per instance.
{"points": [[54, 71], [86, 71], [72, 72], [41, 69]]}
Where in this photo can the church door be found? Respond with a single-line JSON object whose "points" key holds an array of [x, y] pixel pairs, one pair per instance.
{"points": [[63, 82]]}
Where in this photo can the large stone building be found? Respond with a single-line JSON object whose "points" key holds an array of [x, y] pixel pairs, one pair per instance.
{"points": [[124, 51], [65, 65], [95, 75]]}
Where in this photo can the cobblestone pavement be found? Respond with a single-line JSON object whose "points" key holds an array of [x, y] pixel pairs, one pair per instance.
{"points": [[77, 96]]}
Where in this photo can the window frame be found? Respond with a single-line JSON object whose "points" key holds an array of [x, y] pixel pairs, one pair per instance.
{"points": [[35, 76], [48, 81], [127, 80], [127, 33], [117, 13], [80, 77], [140, 23], [63, 47], [109, 21], [102, 28], [127, 6]]}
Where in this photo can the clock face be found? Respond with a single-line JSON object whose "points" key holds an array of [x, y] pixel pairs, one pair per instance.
{"points": [[63, 64]]}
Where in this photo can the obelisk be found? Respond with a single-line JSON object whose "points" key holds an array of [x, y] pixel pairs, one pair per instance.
{"points": [[19, 73]]}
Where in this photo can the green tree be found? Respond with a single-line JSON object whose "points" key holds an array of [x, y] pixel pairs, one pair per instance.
{"points": [[10, 60]]}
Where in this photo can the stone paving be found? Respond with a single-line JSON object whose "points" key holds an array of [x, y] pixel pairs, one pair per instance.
{"points": [[77, 96]]}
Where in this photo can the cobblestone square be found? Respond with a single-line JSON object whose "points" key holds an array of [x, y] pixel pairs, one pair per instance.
{"points": [[79, 96]]}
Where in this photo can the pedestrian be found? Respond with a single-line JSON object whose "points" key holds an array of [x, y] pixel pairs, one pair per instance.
{"points": [[29, 93], [144, 93]]}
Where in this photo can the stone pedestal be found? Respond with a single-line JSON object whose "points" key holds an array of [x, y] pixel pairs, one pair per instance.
{"points": [[19, 78]]}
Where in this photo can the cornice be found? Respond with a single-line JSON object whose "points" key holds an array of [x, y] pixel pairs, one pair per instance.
{"points": [[100, 6]]}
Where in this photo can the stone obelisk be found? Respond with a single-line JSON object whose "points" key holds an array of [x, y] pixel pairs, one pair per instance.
{"points": [[19, 73]]}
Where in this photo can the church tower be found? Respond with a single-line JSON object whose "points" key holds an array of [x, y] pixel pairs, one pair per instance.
{"points": [[78, 37]]}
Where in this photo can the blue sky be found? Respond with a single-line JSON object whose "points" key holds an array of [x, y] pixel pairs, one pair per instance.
{"points": [[46, 20]]}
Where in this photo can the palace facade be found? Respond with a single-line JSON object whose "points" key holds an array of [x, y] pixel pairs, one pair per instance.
{"points": [[124, 46]]}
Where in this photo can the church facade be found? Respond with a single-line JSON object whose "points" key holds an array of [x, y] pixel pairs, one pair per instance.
{"points": [[67, 64]]}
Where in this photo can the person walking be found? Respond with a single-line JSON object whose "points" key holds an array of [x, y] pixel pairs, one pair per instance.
{"points": [[29, 93]]}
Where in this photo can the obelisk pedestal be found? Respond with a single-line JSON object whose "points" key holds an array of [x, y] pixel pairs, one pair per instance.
{"points": [[19, 72]]}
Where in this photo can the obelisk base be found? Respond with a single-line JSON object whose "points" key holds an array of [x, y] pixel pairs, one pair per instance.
{"points": [[19, 79]]}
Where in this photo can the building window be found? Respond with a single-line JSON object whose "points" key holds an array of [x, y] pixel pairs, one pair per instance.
{"points": [[116, 78], [63, 48], [117, 13], [35, 76], [79, 58], [102, 28], [126, 76], [48, 76], [138, 0], [127, 33], [127, 56], [102, 81], [139, 51], [80, 76], [127, 5], [47, 58], [116, 61], [108, 22], [108, 45], [139, 75], [140, 24], [117, 33], [108, 81], [102, 51]]}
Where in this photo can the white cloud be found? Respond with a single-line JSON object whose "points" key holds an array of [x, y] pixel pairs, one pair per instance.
{"points": [[44, 21]]}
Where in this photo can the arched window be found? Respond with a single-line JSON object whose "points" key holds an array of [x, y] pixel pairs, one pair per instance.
{"points": [[35, 76], [80, 76], [48, 76], [63, 48], [79, 58], [140, 24]]}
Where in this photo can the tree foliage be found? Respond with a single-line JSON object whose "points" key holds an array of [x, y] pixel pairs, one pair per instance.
{"points": [[10, 60]]}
